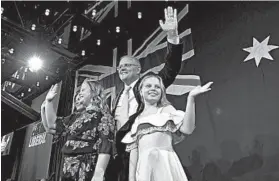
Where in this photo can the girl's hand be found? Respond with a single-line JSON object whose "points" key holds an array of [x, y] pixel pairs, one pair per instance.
{"points": [[200, 89]]}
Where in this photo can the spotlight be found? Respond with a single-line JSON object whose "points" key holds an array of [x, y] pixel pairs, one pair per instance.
{"points": [[17, 76], [29, 90], [35, 63], [83, 52], [22, 94], [10, 83], [46, 77], [139, 15], [59, 40], [98, 42], [3, 60], [94, 12], [47, 12], [2, 10], [38, 84], [75, 28], [117, 29], [33, 27], [11, 51]]}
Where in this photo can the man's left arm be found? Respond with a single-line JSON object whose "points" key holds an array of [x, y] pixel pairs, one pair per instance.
{"points": [[174, 49]]}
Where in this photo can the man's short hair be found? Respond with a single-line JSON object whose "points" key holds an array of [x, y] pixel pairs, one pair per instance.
{"points": [[132, 58]]}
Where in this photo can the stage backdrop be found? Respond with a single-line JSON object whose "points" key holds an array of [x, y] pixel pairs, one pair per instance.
{"points": [[36, 153], [236, 47]]}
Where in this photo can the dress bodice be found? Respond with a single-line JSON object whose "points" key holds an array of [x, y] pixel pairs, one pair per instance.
{"points": [[87, 132], [165, 124]]}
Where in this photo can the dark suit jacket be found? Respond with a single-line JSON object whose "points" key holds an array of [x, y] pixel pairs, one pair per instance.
{"points": [[119, 167]]}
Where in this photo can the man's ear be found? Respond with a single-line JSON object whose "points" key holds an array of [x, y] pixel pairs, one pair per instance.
{"points": [[139, 70]]}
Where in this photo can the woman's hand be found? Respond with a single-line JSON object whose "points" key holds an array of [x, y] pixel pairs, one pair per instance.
{"points": [[200, 90], [52, 93]]}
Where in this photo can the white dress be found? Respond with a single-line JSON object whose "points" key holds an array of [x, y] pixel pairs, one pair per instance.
{"points": [[154, 136]]}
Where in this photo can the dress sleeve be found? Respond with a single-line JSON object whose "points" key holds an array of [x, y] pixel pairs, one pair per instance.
{"points": [[131, 146], [130, 141], [106, 128], [177, 118]]}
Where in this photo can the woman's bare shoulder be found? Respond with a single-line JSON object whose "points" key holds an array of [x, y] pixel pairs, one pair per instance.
{"points": [[168, 109]]}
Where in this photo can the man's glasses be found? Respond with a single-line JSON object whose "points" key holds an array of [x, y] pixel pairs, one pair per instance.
{"points": [[126, 65]]}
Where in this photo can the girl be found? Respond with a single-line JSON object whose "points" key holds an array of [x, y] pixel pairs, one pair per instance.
{"points": [[89, 133], [155, 130]]}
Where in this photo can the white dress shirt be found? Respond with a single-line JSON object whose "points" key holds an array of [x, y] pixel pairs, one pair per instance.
{"points": [[133, 105]]}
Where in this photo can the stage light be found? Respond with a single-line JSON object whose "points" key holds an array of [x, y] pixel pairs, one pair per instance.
{"points": [[33, 27], [38, 84], [10, 83], [83, 52], [29, 90], [59, 40], [3, 60], [35, 63], [117, 29], [2, 10], [75, 28], [11, 51], [46, 77], [94, 12], [98, 42], [47, 12], [139, 15], [22, 94]]}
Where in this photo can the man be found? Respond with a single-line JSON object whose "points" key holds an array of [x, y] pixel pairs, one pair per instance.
{"points": [[126, 105]]}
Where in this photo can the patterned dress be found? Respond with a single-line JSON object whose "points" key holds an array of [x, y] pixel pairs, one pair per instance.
{"points": [[87, 135]]}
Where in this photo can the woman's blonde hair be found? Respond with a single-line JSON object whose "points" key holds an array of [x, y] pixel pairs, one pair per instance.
{"points": [[98, 95], [163, 101]]}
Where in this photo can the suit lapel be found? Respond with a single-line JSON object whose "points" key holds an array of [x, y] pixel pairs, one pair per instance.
{"points": [[115, 102]]}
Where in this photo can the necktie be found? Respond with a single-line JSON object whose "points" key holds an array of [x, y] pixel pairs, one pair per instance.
{"points": [[125, 103]]}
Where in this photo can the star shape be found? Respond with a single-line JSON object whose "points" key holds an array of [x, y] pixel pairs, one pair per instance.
{"points": [[259, 50]]}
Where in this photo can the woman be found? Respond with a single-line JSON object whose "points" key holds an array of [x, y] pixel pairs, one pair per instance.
{"points": [[89, 131], [155, 130]]}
